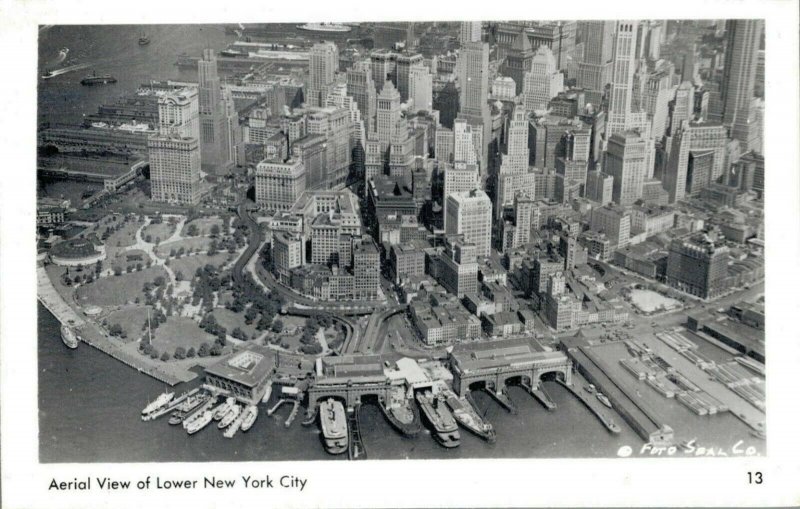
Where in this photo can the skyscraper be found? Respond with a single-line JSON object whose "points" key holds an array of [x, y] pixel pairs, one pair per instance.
{"points": [[420, 87], [361, 88], [470, 32], [623, 69], [625, 161], [473, 63], [739, 74], [404, 63], [518, 60], [595, 69], [322, 65], [543, 81], [388, 114], [174, 152], [470, 215], [215, 142]]}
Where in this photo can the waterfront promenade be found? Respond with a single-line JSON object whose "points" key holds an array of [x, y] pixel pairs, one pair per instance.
{"points": [[91, 334]]}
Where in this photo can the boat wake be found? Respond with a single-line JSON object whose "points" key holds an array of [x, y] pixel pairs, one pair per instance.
{"points": [[62, 55], [65, 70]]}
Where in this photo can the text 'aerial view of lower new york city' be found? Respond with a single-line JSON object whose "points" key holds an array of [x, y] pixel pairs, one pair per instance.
{"points": [[419, 240]]}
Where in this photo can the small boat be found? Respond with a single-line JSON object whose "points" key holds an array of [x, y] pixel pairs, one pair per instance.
{"points": [[603, 399], [200, 423], [232, 414], [235, 425], [47, 74], [221, 410], [144, 40], [176, 418], [250, 415], [589, 388], [268, 393], [69, 337], [159, 402]]}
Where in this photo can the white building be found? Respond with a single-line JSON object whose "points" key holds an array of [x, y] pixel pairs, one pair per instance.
{"points": [[470, 214]]}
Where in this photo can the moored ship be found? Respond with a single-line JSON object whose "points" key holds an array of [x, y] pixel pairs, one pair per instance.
{"points": [[94, 79], [159, 402], [69, 337], [467, 417], [223, 409], [250, 415], [444, 425], [334, 426], [325, 27], [603, 399], [401, 413], [230, 416], [200, 422]]}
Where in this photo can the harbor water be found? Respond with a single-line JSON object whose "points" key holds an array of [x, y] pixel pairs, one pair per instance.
{"points": [[90, 404]]}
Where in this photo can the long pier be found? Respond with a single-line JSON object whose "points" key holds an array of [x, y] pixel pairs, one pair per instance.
{"points": [[607, 421], [540, 395], [355, 445]]}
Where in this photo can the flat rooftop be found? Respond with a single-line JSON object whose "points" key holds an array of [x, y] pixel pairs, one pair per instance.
{"points": [[248, 367]]}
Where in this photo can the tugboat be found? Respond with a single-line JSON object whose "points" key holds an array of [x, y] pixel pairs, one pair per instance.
{"points": [[441, 419], [69, 337], [250, 414], [144, 40], [94, 79], [159, 402], [334, 426]]}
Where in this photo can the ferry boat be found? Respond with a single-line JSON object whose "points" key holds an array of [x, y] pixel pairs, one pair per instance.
{"points": [[441, 419], [250, 414], [69, 337], [334, 426], [223, 409], [200, 423], [325, 27], [159, 402], [235, 425], [232, 414], [144, 40], [467, 417], [94, 79], [603, 399]]}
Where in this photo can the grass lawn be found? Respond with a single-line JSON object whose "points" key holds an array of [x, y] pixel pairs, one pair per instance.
{"points": [[162, 230], [231, 320], [189, 264], [180, 331], [203, 225], [117, 290], [131, 319], [192, 243], [127, 258]]}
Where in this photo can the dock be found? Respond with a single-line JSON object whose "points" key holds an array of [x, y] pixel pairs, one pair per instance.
{"points": [[277, 406], [540, 395], [356, 449], [293, 413], [610, 425]]}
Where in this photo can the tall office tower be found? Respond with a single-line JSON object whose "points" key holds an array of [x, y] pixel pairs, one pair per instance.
{"points": [[654, 40], [463, 178], [758, 90], [384, 66], [444, 146], [420, 88], [689, 64], [366, 269], [470, 32], [236, 150], [625, 161], [279, 184], [470, 214], [599, 187], [335, 126], [214, 134], [473, 62], [388, 115], [623, 69], [681, 108], [739, 77], [518, 60], [594, 71], [517, 156], [338, 98], [523, 212], [362, 89], [696, 158], [404, 63], [174, 152], [543, 81], [465, 148], [322, 64]]}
